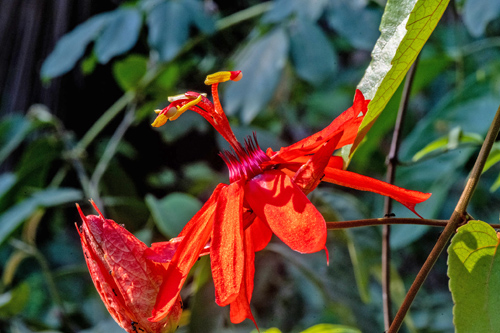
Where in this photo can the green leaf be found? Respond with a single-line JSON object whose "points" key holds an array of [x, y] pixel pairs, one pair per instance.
{"points": [[172, 212], [17, 214], [14, 301], [7, 180], [198, 16], [493, 157], [306, 9], [344, 16], [452, 141], [331, 328], [168, 27], [262, 63], [312, 54], [119, 35], [405, 27], [478, 13], [474, 271], [129, 71], [13, 130], [71, 46]]}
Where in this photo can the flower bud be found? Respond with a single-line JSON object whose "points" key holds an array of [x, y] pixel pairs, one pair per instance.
{"points": [[125, 279]]}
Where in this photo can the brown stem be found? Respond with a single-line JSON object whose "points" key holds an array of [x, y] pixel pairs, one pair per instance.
{"points": [[456, 218], [392, 161]]}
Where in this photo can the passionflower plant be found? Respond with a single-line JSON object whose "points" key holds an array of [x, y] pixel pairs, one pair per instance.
{"points": [[266, 194], [125, 279]]}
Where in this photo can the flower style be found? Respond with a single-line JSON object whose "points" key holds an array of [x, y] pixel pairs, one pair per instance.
{"points": [[266, 194], [126, 281]]}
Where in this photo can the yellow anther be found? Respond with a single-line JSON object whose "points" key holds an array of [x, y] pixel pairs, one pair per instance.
{"points": [[160, 120], [176, 98], [157, 111], [185, 108], [218, 77]]}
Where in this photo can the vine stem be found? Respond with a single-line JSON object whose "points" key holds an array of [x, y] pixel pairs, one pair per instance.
{"points": [[392, 162], [458, 216]]}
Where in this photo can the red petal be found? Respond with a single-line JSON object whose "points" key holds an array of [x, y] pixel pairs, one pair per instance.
{"points": [[196, 234], [261, 234], [309, 175], [163, 252], [408, 198], [280, 203], [240, 308], [226, 252]]}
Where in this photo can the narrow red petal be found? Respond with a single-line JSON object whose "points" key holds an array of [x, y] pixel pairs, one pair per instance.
{"points": [[163, 252], [240, 308], [309, 175], [196, 234], [261, 234], [226, 253], [408, 198], [280, 203]]}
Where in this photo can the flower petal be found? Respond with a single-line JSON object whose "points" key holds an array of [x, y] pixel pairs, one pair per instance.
{"points": [[261, 234], [240, 308], [196, 234], [408, 198], [280, 203], [309, 175], [163, 252], [226, 253]]}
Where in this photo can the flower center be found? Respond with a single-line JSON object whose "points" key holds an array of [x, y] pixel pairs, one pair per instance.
{"points": [[245, 163]]}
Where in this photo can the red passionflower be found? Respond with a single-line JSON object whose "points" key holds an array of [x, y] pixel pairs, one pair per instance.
{"points": [[126, 280], [266, 194]]}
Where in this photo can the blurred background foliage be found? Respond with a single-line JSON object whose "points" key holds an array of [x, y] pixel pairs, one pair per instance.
{"points": [[80, 82]]}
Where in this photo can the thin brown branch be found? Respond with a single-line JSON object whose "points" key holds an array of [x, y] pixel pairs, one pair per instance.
{"points": [[392, 162], [456, 218]]}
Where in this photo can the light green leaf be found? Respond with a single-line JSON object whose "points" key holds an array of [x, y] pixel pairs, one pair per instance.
{"points": [[119, 35], [493, 157], [71, 46], [17, 214], [262, 63], [13, 130], [7, 180], [474, 271], [172, 212], [129, 71], [312, 54], [405, 27], [331, 328], [446, 143]]}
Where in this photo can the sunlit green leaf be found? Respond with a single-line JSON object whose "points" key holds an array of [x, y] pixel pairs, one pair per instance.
{"points": [[474, 271], [129, 71], [172, 212], [312, 54], [405, 27], [262, 63], [71, 46], [119, 34]]}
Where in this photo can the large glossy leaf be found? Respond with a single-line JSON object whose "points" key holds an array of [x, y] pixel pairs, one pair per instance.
{"points": [[405, 27], [262, 63], [71, 46], [312, 54], [17, 214], [474, 271], [119, 34], [172, 212]]}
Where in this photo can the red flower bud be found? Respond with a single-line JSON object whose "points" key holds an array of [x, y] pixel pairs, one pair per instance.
{"points": [[125, 279]]}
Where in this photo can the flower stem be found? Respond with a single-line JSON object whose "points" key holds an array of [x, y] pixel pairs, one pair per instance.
{"points": [[458, 216]]}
